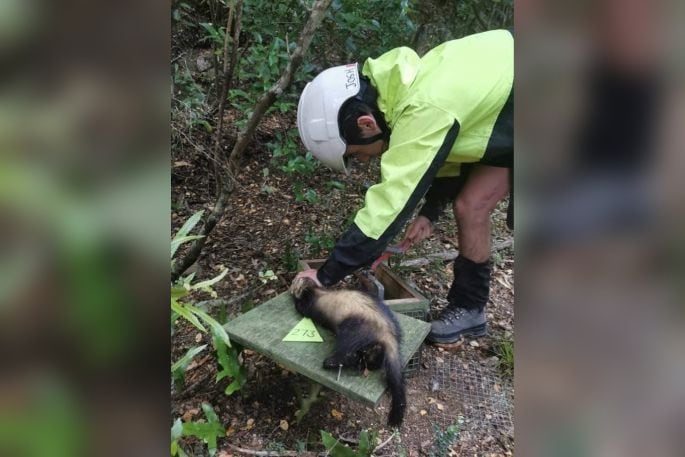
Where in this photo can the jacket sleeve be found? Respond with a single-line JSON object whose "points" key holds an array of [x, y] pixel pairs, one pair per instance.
{"points": [[419, 145]]}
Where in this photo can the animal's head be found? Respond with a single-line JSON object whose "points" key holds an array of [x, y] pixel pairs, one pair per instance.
{"points": [[300, 285]]}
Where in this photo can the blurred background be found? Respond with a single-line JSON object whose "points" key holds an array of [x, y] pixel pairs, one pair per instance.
{"points": [[84, 223], [84, 218], [599, 257]]}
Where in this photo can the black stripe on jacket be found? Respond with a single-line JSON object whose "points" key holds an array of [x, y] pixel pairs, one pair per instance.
{"points": [[355, 250]]}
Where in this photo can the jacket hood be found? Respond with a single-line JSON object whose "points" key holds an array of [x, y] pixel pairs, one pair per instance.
{"points": [[392, 74]]}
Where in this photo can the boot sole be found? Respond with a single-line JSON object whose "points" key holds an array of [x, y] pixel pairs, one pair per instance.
{"points": [[478, 330]]}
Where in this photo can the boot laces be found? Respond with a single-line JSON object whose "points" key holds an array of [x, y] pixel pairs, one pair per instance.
{"points": [[453, 314]]}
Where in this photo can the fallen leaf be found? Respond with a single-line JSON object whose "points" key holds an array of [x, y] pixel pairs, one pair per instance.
{"points": [[250, 425], [188, 415], [440, 407], [283, 425], [230, 430], [336, 414], [423, 412], [198, 337]]}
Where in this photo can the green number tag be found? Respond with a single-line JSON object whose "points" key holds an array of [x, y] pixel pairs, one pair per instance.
{"points": [[304, 331]]}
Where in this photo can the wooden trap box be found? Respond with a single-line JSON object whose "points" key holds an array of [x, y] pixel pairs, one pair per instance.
{"points": [[263, 328]]}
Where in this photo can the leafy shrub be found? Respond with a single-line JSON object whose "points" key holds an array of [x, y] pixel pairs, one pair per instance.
{"points": [[207, 431], [318, 242], [227, 356]]}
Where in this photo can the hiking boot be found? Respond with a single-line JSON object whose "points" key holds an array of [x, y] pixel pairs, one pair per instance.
{"points": [[455, 322]]}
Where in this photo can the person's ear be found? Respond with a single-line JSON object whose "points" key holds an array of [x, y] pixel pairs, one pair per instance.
{"points": [[367, 124]]}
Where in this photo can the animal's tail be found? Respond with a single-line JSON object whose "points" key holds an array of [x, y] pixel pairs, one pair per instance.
{"points": [[395, 380]]}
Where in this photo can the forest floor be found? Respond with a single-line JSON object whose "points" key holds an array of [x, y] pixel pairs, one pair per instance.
{"points": [[265, 228]]}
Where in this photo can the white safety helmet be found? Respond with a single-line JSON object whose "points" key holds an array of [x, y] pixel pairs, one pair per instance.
{"points": [[317, 113]]}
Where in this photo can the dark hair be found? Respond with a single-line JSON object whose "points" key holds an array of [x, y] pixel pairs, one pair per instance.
{"points": [[364, 103], [349, 113]]}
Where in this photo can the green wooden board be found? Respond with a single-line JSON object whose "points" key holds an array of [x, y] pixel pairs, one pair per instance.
{"points": [[262, 329]]}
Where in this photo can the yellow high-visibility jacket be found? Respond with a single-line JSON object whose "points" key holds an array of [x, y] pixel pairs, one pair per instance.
{"points": [[443, 110]]}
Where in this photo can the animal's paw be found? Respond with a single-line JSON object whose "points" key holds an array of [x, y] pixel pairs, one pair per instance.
{"points": [[331, 362]]}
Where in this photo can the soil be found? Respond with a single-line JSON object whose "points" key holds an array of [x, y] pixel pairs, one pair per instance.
{"points": [[263, 229]]}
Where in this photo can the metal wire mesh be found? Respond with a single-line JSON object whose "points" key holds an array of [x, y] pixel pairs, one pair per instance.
{"points": [[474, 396], [414, 364], [486, 397]]}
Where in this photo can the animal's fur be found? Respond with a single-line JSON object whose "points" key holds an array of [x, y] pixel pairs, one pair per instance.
{"points": [[367, 334]]}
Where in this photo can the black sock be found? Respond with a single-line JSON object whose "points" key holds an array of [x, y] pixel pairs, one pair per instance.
{"points": [[471, 286]]}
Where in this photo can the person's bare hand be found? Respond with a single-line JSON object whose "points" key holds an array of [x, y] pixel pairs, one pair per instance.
{"points": [[311, 274], [420, 229]]}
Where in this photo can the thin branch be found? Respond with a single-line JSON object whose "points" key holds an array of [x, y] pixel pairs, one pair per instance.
{"points": [[476, 14], [383, 444], [303, 42], [236, 39], [275, 453], [225, 180], [451, 254]]}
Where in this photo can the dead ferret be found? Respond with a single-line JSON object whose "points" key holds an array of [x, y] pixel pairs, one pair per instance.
{"points": [[367, 334]]}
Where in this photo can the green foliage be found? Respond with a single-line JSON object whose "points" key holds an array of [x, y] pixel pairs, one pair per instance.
{"points": [[184, 286], [247, 306], [178, 369], [207, 431], [192, 313], [366, 28], [213, 34], [300, 447], [176, 434], [367, 443], [183, 14], [318, 242], [230, 366], [285, 144], [504, 350], [301, 164], [189, 98], [291, 257], [182, 234], [333, 184], [286, 147], [443, 439], [226, 355], [267, 275], [309, 195]]}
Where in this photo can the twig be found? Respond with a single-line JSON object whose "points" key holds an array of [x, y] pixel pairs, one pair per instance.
{"points": [[225, 176], [274, 453], [266, 100], [383, 444], [451, 255]]}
